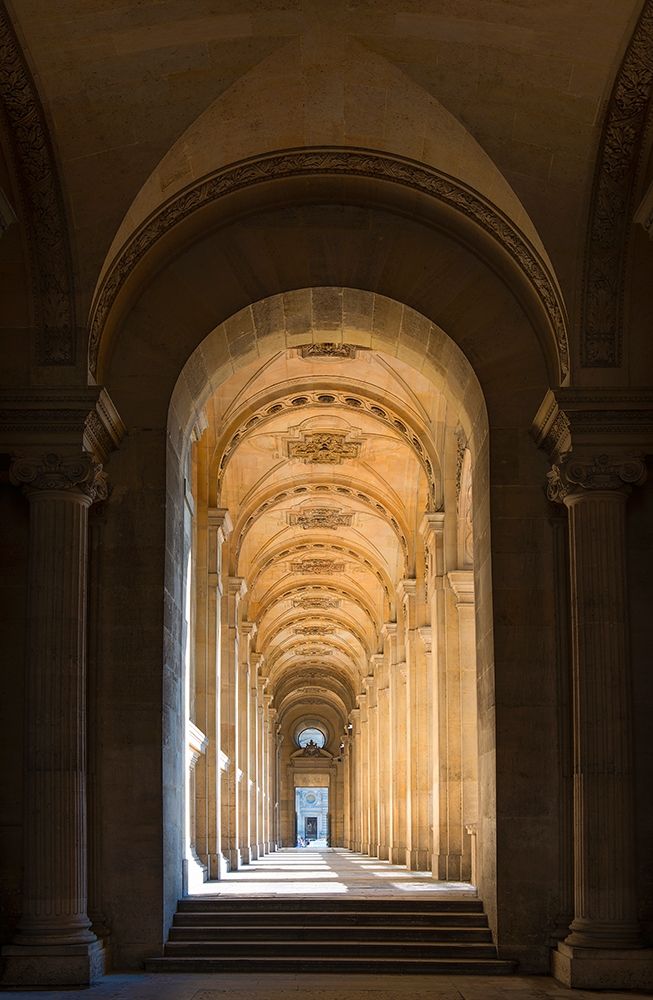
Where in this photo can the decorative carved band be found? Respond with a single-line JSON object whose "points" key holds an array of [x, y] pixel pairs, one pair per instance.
{"points": [[612, 196], [324, 448], [320, 517], [320, 161], [317, 603], [80, 473], [44, 212], [319, 566], [594, 472], [328, 350]]}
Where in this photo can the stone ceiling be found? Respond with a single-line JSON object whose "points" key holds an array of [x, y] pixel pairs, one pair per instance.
{"points": [[326, 489]]}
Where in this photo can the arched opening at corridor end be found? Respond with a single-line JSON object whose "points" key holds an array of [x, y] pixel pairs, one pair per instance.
{"points": [[328, 511]]}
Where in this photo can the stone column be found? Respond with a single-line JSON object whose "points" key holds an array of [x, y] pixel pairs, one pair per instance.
{"points": [[229, 705], [418, 744], [354, 745], [246, 721], [54, 944], [373, 757], [346, 791], [275, 741], [462, 729], [211, 766], [604, 946], [364, 767], [384, 792]]}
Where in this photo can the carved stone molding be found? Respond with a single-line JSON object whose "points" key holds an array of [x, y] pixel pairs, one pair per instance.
{"points": [[319, 566], [611, 210], [324, 448], [328, 350], [594, 472], [58, 472], [594, 419], [320, 517], [316, 603], [313, 651], [333, 161], [44, 213], [313, 630]]}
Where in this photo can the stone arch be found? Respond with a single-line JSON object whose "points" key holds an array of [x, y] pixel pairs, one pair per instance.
{"points": [[170, 331], [226, 159]]}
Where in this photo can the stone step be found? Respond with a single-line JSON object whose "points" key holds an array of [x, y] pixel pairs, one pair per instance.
{"points": [[341, 966], [300, 949], [388, 904], [352, 918], [303, 931]]}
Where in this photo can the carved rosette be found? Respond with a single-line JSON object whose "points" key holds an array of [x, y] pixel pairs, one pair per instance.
{"points": [[51, 472], [594, 473]]}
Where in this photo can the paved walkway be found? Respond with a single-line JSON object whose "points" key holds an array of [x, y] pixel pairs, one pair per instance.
{"points": [[303, 871]]}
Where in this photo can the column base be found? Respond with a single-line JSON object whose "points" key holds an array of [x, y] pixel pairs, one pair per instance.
{"points": [[234, 859], [418, 861], [52, 965], [245, 855], [398, 855], [603, 968], [253, 853], [384, 852]]}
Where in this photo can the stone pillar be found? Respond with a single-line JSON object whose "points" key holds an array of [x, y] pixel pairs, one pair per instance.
{"points": [[604, 946], [462, 729], [246, 721], [346, 791], [211, 774], [373, 756], [54, 944], [364, 769], [275, 740], [354, 751], [384, 792], [229, 711], [389, 739], [418, 744]]}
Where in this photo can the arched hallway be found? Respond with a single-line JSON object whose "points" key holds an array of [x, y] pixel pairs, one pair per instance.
{"points": [[326, 438]]}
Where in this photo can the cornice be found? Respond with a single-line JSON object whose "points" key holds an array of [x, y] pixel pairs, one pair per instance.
{"points": [[611, 210], [42, 202], [570, 418], [333, 161], [70, 417]]}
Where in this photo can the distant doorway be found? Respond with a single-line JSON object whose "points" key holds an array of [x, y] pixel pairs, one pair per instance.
{"points": [[311, 816]]}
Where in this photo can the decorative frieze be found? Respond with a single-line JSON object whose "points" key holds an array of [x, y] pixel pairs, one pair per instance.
{"points": [[313, 651], [320, 517], [316, 603], [310, 630], [324, 448], [320, 567], [328, 350]]}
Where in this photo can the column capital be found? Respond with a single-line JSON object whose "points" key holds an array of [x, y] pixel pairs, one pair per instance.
{"points": [[461, 582], [376, 661], [388, 630], [219, 517], [587, 472], [407, 588], [432, 525], [248, 628], [64, 472], [426, 635], [236, 586]]}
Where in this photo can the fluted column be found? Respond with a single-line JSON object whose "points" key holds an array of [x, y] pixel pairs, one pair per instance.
{"points": [[53, 944], [604, 940]]}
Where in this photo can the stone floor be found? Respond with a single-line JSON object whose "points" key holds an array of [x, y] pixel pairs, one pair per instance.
{"points": [[324, 872]]}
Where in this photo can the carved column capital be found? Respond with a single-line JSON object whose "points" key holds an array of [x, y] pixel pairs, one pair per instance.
{"points": [[51, 472], [594, 472]]}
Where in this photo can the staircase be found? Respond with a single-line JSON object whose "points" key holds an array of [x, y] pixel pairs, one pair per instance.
{"points": [[299, 935]]}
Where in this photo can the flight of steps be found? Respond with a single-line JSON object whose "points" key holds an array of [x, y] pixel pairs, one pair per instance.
{"points": [[391, 935]]}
